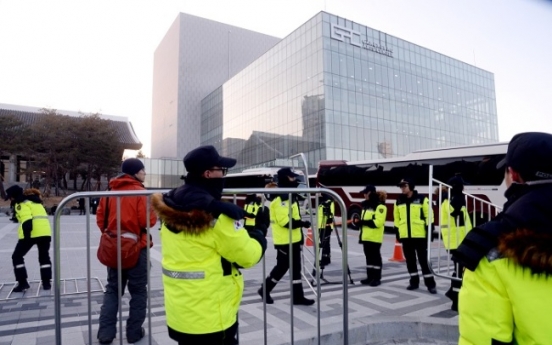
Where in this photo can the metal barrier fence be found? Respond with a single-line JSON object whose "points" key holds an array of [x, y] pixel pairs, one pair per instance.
{"points": [[479, 211], [119, 194]]}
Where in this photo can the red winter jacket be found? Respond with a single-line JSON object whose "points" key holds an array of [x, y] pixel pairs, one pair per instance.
{"points": [[133, 209]]}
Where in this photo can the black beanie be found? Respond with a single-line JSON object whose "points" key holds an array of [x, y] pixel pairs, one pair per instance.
{"points": [[14, 192], [131, 166]]}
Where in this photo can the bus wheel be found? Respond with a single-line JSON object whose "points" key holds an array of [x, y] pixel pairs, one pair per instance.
{"points": [[354, 212]]}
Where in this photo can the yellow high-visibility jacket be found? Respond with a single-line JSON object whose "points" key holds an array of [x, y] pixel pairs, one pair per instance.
{"points": [[34, 211], [452, 235], [322, 216], [202, 284], [411, 216], [252, 208], [280, 219]]}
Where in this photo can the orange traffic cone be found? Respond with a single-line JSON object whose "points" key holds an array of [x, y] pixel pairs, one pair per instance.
{"points": [[309, 242], [397, 253]]}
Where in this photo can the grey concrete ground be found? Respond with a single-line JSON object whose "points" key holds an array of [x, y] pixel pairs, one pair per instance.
{"points": [[388, 314]]}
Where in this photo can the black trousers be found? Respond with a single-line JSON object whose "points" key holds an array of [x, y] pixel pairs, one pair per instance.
{"points": [[458, 273], [372, 251], [22, 248], [282, 266], [226, 337], [413, 247]]}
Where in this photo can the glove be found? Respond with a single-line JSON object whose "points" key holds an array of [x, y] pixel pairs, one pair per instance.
{"points": [[434, 234], [262, 220], [306, 224]]}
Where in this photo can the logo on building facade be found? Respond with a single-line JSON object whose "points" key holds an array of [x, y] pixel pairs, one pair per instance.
{"points": [[340, 33]]}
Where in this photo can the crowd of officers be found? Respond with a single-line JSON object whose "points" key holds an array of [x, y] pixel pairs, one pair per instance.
{"points": [[506, 263]]}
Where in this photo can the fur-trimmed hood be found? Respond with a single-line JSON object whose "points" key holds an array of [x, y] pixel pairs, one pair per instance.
{"points": [[529, 249], [194, 221], [382, 195], [31, 194]]}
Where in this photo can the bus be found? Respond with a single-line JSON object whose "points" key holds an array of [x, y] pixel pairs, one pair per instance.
{"points": [[254, 178], [476, 164]]}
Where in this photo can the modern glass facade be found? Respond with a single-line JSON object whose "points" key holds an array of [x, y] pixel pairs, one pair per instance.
{"points": [[335, 89], [163, 173]]}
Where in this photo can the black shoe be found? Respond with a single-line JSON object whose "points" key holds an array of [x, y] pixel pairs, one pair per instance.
{"points": [[269, 299], [375, 282], [366, 281], [46, 285], [21, 287], [412, 287], [432, 290], [303, 301], [449, 294], [142, 334], [105, 341]]}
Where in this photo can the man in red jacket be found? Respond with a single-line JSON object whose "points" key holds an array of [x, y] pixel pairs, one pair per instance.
{"points": [[133, 219]]}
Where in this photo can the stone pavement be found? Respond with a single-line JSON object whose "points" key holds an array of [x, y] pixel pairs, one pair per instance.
{"points": [[381, 315]]}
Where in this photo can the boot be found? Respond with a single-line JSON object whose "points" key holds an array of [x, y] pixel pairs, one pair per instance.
{"points": [[270, 284], [22, 286], [299, 296], [46, 276], [376, 274], [369, 278]]}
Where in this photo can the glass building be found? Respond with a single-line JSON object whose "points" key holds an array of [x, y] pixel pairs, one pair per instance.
{"points": [[336, 89]]}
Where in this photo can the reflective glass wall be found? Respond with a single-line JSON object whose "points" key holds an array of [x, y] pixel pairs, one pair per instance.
{"points": [[334, 89], [163, 173]]}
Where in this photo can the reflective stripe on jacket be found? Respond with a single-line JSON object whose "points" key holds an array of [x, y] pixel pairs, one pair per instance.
{"points": [[28, 210], [410, 216], [371, 234], [504, 302], [253, 209], [280, 219], [452, 235], [323, 209], [202, 289]]}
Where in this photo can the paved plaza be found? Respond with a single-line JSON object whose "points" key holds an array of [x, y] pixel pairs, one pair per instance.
{"points": [[377, 315]]}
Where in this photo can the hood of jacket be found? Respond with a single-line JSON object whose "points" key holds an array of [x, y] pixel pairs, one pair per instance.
{"points": [[527, 214], [30, 194], [125, 182], [381, 196], [191, 209]]}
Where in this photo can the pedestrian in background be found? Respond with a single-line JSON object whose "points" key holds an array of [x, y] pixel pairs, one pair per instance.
{"points": [[133, 219], [455, 224], [325, 222], [34, 229], [280, 220], [411, 220], [371, 225], [204, 243], [506, 294]]}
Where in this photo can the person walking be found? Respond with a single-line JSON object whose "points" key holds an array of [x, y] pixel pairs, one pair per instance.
{"points": [[203, 245], [34, 229], [133, 211], [280, 220], [410, 216], [505, 296], [325, 218], [455, 224], [371, 225], [254, 210], [81, 207]]}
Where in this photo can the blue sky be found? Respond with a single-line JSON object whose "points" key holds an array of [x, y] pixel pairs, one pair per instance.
{"points": [[97, 56]]}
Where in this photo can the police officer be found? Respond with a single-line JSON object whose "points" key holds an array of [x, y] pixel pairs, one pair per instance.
{"points": [[204, 242], [455, 223], [371, 225], [255, 210], [325, 218], [411, 220], [34, 228], [506, 294], [280, 220]]}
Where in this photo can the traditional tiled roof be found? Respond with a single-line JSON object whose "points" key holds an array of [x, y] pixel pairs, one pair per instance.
{"points": [[125, 132]]}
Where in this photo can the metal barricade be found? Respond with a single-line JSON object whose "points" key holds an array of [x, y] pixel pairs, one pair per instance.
{"points": [[479, 211], [57, 286]]}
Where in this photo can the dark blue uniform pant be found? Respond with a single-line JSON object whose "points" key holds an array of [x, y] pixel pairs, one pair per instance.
{"points": [[22, 248], [413, 247]]}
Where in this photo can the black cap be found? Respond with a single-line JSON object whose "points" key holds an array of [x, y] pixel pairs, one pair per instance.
{"points": [[132, 166], [13, 192], [368, 188], [407, 180], [456, 181], [286, 172], [530, 154], [205, 157]]}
